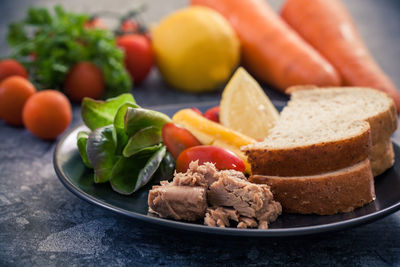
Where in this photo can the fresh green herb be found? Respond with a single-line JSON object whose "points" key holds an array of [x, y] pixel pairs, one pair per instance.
{"points": [[100, 148], [49, 45], [130, 174], [125, 146], [81, 142], [139, 118], [142, 140], [119, 125], [98, 113], [166, 169]]}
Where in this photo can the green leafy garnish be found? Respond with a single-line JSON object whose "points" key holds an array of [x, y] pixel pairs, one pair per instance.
{"points": [[81, 142], [143, 140], [130, 174], [139, 118], [48, 45], [101, 147], [125, 146], [98, 113], [122, 137], [166, 169]]}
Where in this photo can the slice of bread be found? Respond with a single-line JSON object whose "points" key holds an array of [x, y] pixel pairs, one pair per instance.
{"points": [[356, 103], [333, 192], [324, 129], [333, 149], [381, 157]]}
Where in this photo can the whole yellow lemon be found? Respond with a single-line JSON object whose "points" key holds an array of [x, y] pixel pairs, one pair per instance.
{"points": [[196, 49]]}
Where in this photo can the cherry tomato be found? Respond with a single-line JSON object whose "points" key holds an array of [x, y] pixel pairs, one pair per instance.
{"points": [[129, 26], [212, 114], [177, 139], [84, 80], [222, 158], [139, 57], [14, 92], [47, 114], [197, 111], [11, 67], [95, 23]]}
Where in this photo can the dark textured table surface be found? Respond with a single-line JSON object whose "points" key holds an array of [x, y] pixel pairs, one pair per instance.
{"points": [[43, 224]]}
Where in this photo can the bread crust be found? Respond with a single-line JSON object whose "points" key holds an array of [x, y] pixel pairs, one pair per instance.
{"points": [[383, 124], [310, 159], [330, 193], [381, 157]]}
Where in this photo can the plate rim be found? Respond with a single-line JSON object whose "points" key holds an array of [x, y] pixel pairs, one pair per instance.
{"points": [[187, 226]]}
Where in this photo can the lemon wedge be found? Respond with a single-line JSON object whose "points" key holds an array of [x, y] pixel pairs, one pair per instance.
{"points": [[245, 107]]}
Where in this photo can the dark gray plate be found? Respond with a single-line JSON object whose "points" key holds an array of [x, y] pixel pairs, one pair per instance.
{"points": [[78, 179]]}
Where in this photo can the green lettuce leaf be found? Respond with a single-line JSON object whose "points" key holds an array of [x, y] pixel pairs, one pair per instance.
{"points": [[122, 137], [81, 143], [166, 169], [130, 174], [139, 118], [98, 113], [101, 147], [141, 140]]}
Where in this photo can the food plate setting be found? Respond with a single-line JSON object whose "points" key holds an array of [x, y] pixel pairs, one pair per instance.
{"points": [[270, 128], [79, 180]]}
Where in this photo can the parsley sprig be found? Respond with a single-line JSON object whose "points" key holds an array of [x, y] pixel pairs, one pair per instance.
{"points": [[48, 45]]}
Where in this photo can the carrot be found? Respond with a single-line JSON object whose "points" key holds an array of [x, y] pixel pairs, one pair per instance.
{"points": [[328, 27], [271, 51]]}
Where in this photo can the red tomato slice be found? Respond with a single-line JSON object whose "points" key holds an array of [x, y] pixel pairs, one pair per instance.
{"points": [[212, 114], [197, 110], [177, 139], [223, 159]]}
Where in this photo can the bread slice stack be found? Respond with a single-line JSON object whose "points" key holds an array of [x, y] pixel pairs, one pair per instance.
{"points": [[324, 150]]}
